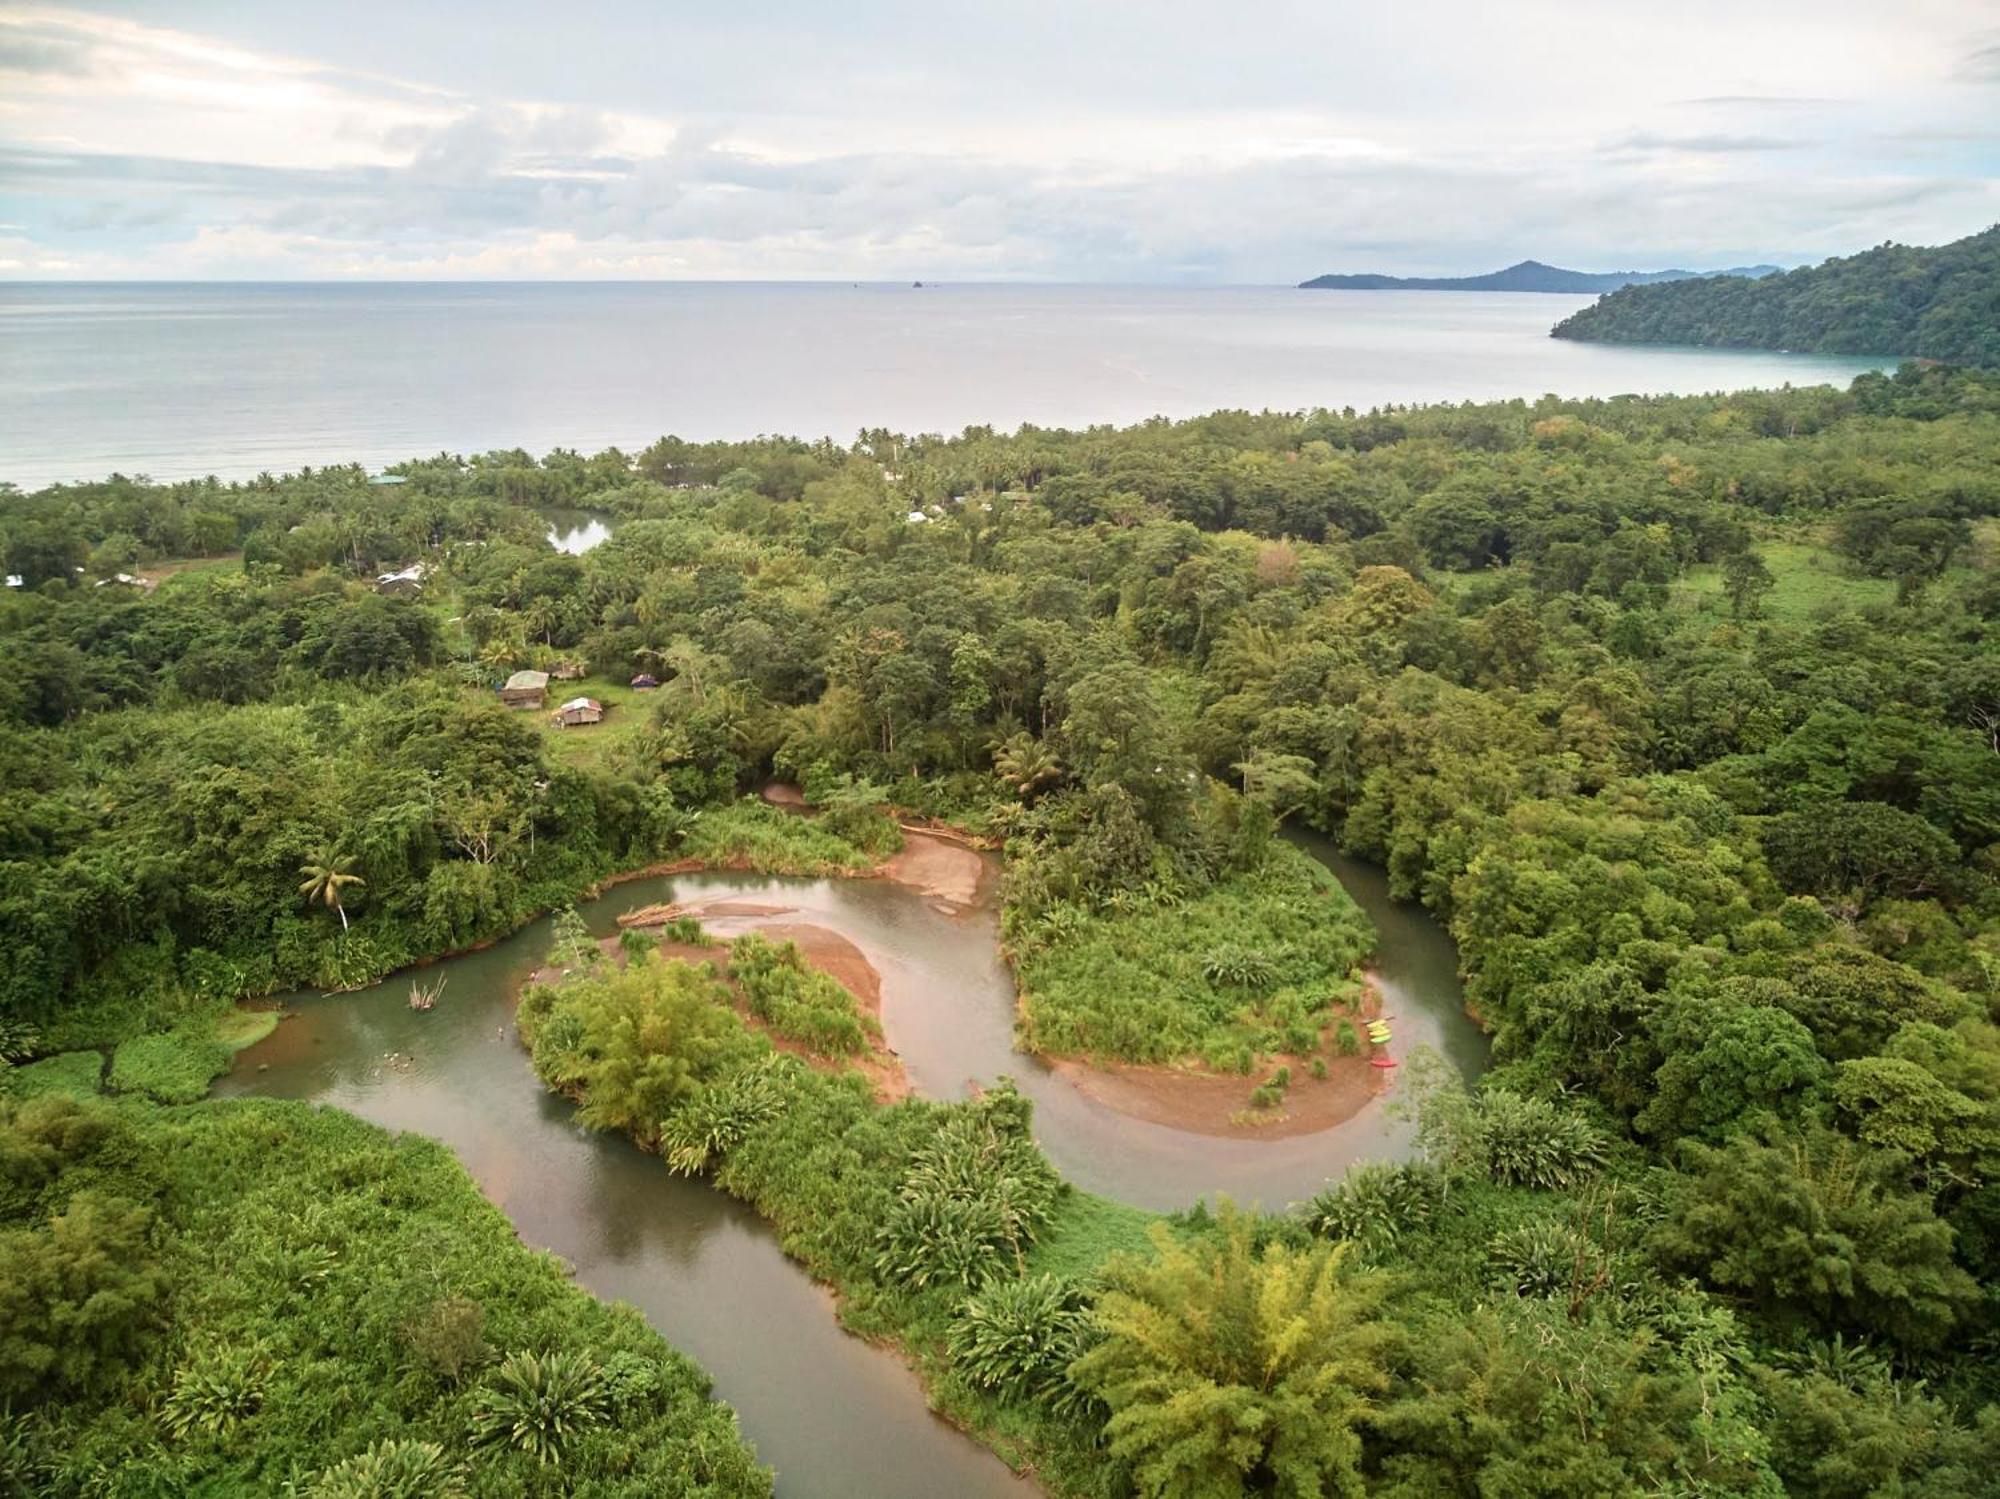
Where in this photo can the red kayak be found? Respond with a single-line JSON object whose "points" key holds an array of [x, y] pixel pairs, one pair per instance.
{"points": [[1381, 1061]]}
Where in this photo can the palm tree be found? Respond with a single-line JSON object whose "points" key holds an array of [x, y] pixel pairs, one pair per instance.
{"points": [[325, 877], [1026, 764]]}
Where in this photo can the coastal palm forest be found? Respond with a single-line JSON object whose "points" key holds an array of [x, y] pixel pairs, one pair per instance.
{"points": [[1681, 715], [1938, 302]]}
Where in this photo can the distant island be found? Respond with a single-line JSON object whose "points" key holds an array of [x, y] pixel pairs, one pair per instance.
{"points": [[1932, 303], [1529, 275]]}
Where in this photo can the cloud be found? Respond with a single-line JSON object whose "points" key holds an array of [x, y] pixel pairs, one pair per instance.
{"points": [[1705, 145], [897, 144]]}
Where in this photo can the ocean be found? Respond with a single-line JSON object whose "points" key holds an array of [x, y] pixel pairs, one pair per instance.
{"points": [[181, 380]]}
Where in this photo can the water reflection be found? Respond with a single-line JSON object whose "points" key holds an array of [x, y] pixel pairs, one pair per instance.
{"points": [[576, 531]]}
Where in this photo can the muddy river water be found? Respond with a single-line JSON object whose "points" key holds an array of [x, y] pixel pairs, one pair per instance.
{"points": [[833, 1415]]}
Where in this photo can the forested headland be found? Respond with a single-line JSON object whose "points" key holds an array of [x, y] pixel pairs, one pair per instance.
{"points": [[1683, 714], [1902, 300]]}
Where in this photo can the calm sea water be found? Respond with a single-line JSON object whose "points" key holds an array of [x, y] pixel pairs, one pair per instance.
{"points": [[183, 380]]}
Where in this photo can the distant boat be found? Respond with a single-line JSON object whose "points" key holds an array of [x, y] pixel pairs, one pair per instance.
{"points": [[916, 286]]}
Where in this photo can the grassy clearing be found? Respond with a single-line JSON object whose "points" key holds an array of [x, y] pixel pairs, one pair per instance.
{"points": [[1086, 1231], [238, 1029], [1255, 964], [798, 1002], [597, 745], [1805, 579]]}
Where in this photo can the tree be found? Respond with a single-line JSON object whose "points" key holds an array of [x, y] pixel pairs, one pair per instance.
{"points": [[76, 1300], [1746, 580], [1816, 1230], [326, 876], [1227, 1371], [1725, 1063], [1026, 764]]}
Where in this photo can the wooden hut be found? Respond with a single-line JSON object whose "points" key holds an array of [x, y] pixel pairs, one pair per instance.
{"points": [[526, 689], [579, 710], [567, 671], [645, 681]]}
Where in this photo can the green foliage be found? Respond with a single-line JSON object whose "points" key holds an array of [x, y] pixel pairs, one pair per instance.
{"points": [[633, 1044], [78, 1295], [212, 1393], [1819, 1231], [449, 1335], [1894, 299], [1257, 959], [752, 834], [80, 1073], [310, 1263], [797, 1002], [540, 1404], [1226, 1369], [394, 1468], [174, 1067], [1377, 1204], [973, 1198], [1019, 1338]]}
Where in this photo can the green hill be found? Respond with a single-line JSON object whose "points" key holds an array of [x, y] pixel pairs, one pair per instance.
{"points": [[1940, 303], [1528, 275]]}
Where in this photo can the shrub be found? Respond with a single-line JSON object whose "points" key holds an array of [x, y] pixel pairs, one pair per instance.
{"points": [[172, 1067], [395, 1468], [1535, 1259], [76, 1073], [1239, 968], [214, 1391], [978, 1191], [796, 1001], [78, 1299], [540, 1403], [1377, 1203], [449, 1336], [1230, 1371], [686, 931], [1530, 1142], [717, 1119], [1018, 1338]]}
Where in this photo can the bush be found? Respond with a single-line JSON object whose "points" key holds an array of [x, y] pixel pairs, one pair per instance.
{"points": [[796, 1001], [1252, 963], [1377, 1203], [79, 1074], [1017, 1338], [449, 1336], [1530, 1142], [975, 1194], [541, 1403], [171, 1067], [395, 1468]]}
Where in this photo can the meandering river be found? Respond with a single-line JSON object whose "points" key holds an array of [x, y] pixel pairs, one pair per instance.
{"points": [[832, 1414]]}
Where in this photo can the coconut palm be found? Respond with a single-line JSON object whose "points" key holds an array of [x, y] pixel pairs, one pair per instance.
{"points": [[325, 877], [1026, 764]]}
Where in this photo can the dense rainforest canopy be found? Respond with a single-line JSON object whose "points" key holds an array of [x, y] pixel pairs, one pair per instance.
{"points": [[1932, 303], [1683, 714]]}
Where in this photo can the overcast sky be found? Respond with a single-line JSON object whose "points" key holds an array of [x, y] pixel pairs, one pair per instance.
{"points": [[1223, 141]]}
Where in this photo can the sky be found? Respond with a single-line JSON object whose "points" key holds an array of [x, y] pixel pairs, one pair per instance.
{"points": [[1088, 140]]}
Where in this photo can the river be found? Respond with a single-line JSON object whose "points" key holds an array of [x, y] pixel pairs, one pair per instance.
{"points": [[833, 1415]]}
